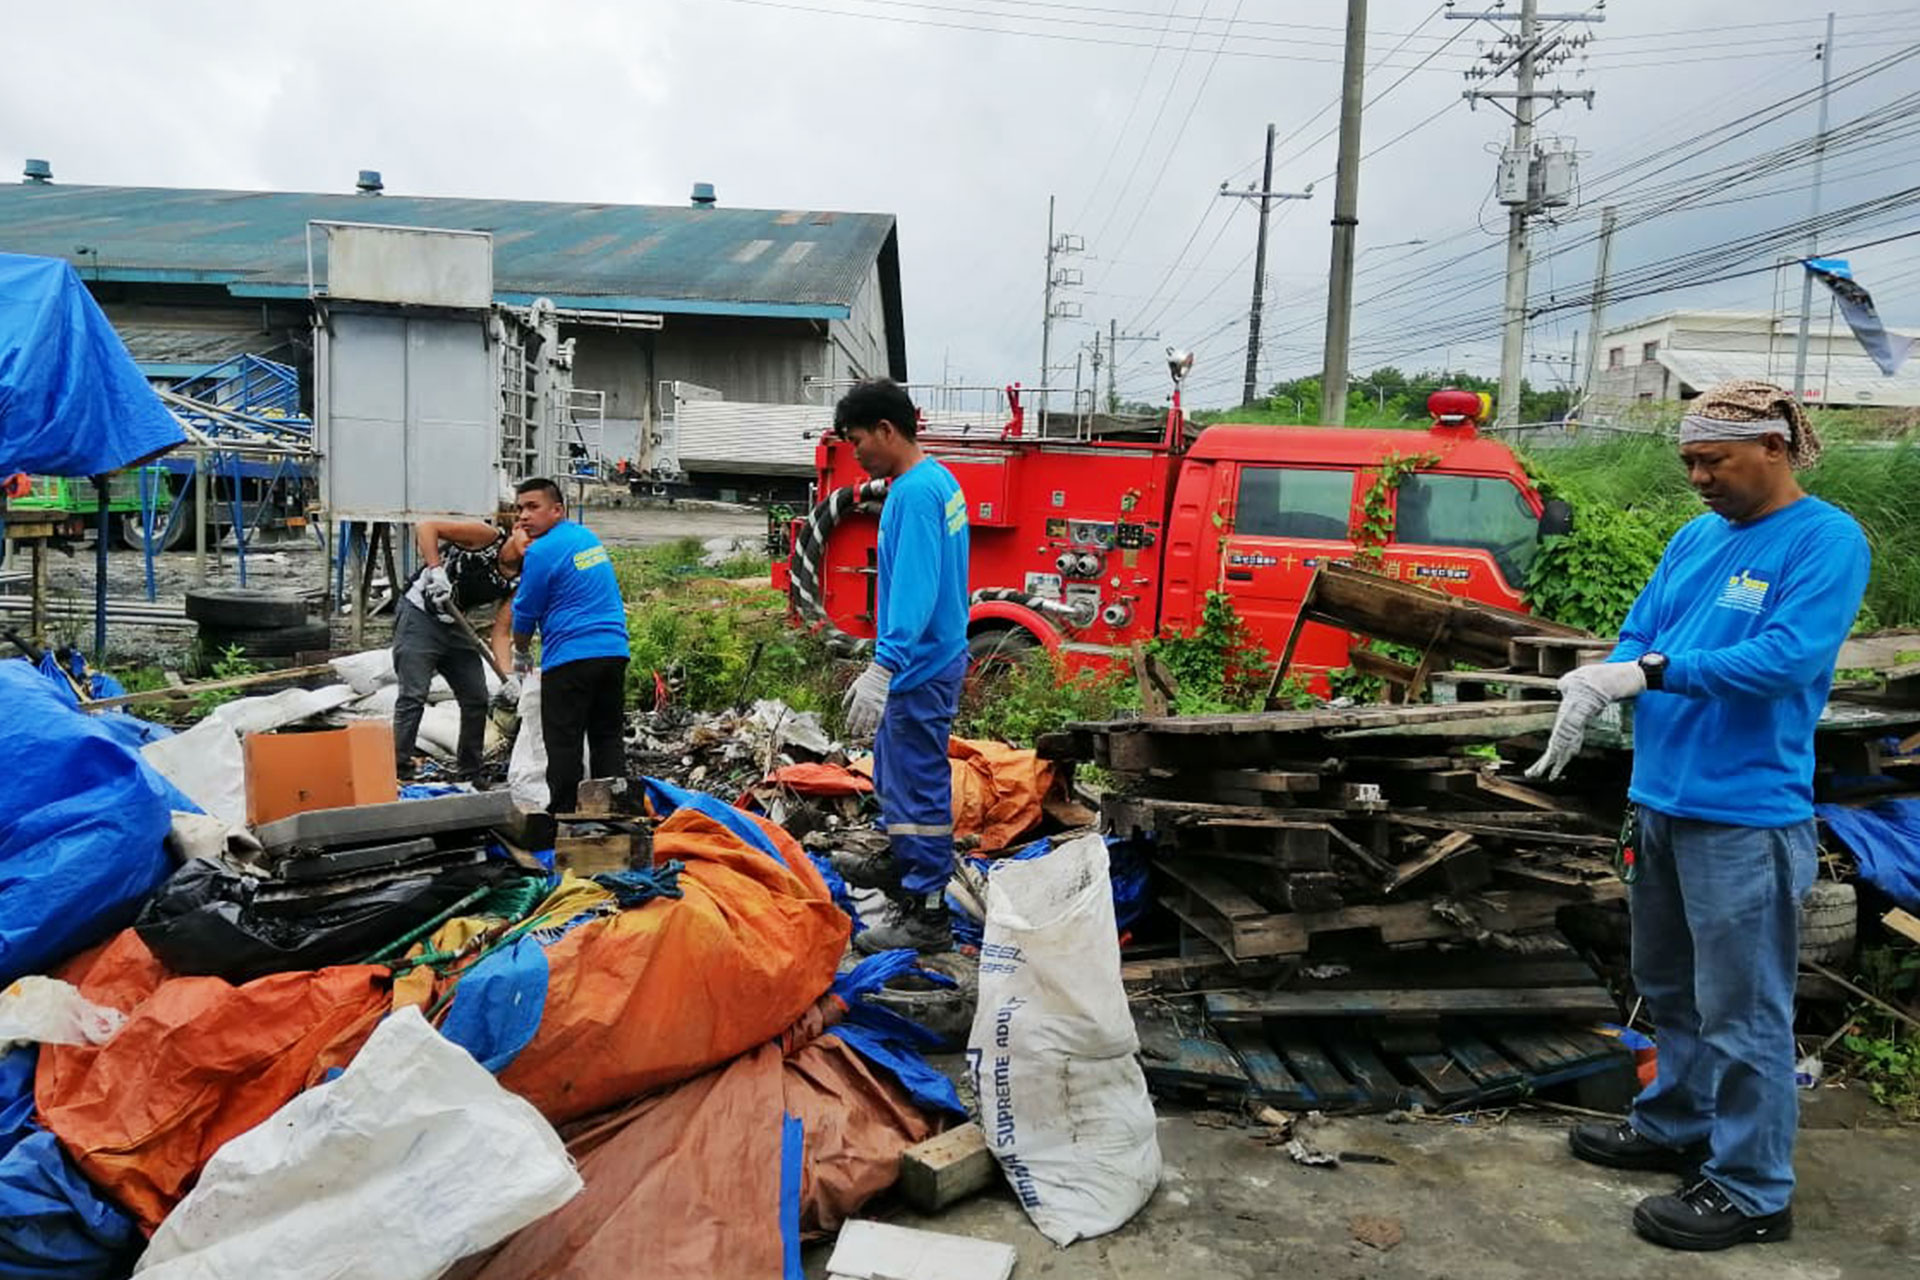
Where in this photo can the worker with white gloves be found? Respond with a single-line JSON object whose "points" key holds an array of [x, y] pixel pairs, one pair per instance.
{"points": [[909, 693], [1727, 655], [463, 564]]}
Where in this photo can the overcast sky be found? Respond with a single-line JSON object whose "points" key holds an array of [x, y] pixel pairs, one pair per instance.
{"points": [[1131, 112]]}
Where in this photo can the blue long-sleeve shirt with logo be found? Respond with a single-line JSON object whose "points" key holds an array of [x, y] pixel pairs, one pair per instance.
{"points": [[1750, 617], [569, 593], [923, 575]]}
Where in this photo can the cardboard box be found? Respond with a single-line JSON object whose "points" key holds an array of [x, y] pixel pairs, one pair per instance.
{"points": [[290, 773]]}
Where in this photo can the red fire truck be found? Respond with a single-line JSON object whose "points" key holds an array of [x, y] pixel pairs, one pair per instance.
{"points": [[1086, 545]]}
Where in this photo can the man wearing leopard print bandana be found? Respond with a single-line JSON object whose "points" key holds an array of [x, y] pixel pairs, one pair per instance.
{"points": [[1727, 655]]}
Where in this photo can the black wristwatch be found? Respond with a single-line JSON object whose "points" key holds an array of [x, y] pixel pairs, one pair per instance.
{"points": [[1654, 667]]}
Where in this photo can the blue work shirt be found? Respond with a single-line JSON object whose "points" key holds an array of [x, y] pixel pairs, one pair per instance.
{"points": [[1750, 617], [569, 594], [923, 575]]}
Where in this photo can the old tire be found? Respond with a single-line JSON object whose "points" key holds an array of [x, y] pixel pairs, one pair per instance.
{"points": [[246, 608], [1829, 923], [267, 642]]}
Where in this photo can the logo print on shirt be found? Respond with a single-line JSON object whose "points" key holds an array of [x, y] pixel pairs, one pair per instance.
{"points": [[587, 559], [1745, 592], [956, 513]]}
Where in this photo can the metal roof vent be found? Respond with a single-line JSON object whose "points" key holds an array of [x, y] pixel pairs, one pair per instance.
{"points": [[369, 183], [703, 197], [37, 173]]}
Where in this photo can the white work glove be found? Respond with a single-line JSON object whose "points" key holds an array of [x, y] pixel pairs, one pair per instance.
{"points": [[867, 699], [437, 589], [508, 694], [1584, 693], [523, 662]]}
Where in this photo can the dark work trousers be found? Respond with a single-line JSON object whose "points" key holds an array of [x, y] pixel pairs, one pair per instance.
{"points": [[582, 704], [914, 780], [423, 646]]}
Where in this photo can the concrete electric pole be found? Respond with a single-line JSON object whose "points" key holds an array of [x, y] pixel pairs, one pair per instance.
{"points": [[1813, 234], [1525, 185], [1609, 216], [1346, 207], [1063, 278], [1266, 195]]}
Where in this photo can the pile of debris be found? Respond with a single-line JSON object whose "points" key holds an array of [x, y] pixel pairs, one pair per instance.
{"points": [[1358, 864]]}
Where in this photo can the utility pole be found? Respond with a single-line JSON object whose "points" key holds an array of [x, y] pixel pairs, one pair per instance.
{"points": [[1114, 339], [1046, 318], [1813, 235], [1525, 185], [1346, 207], [1609, 216], [1513, 337], [1058, 246], [1113, 365], [1266, 195]]}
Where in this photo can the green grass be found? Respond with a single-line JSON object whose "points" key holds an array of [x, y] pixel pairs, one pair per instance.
{"points": [[1635, 483]]}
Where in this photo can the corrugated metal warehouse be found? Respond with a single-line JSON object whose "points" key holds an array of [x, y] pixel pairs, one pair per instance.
{"points": [[754, 301]]}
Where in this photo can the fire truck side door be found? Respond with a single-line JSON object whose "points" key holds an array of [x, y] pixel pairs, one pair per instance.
{"points": [[1473, 536], [1286, 519]]}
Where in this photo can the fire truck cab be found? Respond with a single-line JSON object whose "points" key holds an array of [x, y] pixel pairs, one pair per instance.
{"points": [[1109, 542]]}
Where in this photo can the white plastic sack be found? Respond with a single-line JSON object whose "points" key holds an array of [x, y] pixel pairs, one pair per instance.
{"points": [[277, 710], [206, 763], [527, 766], [1062, 1098], [372, 673], [365, 672], [412, 1159], [48, 1011]]}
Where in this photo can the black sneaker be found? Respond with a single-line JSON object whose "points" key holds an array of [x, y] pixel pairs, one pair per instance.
{"points": [[875, 870], [1621, 1146], [916, 924], [1700, 1218]]}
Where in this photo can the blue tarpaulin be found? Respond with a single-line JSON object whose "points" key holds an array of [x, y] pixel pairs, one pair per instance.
{"points": [[52, 1221], [83, 825], [72, 401], [1885, 840]]}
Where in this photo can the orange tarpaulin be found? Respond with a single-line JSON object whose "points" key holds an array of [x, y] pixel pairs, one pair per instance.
{"points": [[689, 1182], [654, 995], [198, 1062], [997, 790], [635, 1001]]}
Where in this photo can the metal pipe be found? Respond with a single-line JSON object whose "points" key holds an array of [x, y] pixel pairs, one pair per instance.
{"points": [[101, 517]]}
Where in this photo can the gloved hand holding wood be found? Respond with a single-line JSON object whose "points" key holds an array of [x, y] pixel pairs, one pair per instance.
{"points": [[867, 699], [1584, 693]]}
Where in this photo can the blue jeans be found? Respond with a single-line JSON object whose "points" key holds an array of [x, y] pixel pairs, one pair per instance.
{"points": [[914, 780], [1716, 941]]}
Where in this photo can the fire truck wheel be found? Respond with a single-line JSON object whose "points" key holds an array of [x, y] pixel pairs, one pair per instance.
{"points": [[999, 645]]}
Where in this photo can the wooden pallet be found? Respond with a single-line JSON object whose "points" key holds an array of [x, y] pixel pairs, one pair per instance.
{"points": [[1336, 1066], [1246, 929]]}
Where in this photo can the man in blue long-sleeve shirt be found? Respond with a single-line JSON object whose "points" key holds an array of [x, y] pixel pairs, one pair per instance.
{"points": [[908, 695], [569, 594], [1728, 655]]}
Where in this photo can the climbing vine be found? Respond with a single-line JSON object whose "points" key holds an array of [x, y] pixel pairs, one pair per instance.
{"points": [[1374, 527]]}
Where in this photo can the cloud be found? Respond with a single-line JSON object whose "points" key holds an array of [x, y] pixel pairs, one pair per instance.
{"points": [[1133, 122]]}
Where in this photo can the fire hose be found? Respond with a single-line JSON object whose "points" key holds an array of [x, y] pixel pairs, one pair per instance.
{"points": [[809, 554]]}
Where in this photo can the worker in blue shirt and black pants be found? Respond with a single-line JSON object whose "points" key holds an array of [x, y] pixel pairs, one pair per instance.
{"points": [[1727, 655], [569, 594], [908, 695]]}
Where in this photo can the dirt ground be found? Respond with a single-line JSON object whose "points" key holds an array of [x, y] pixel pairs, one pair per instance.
{"points": [[1485, 1198], [299, 564]]}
